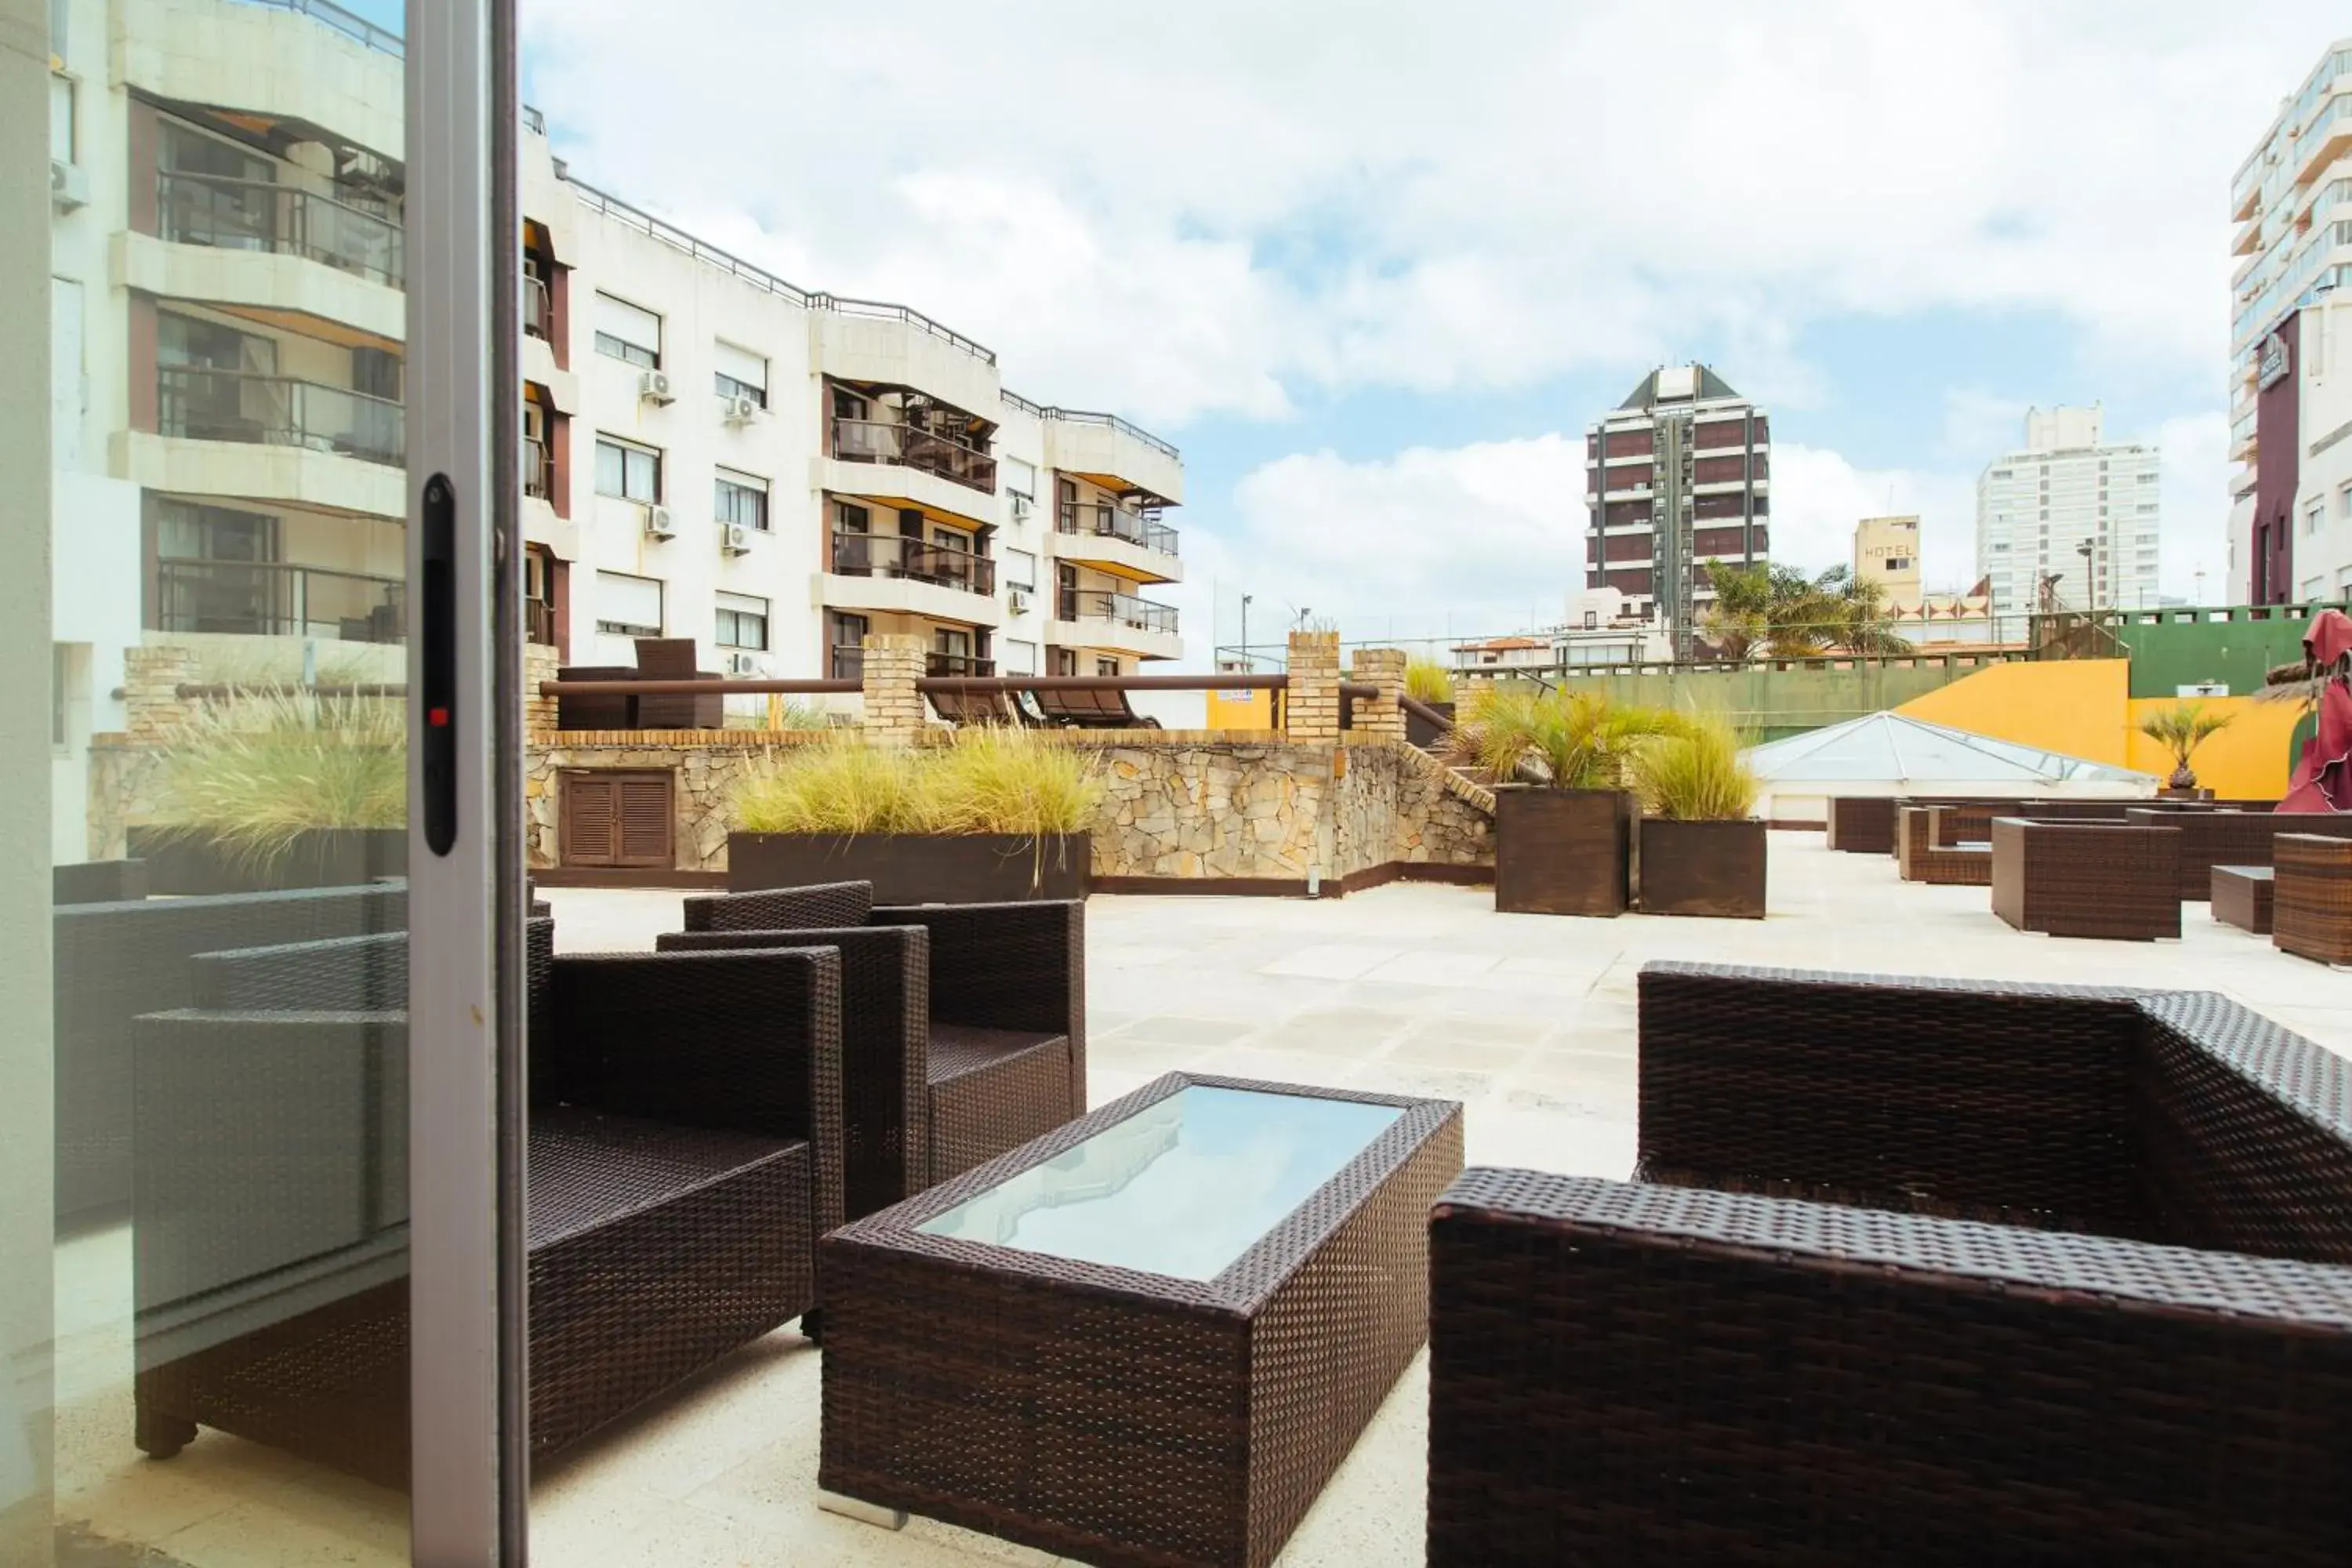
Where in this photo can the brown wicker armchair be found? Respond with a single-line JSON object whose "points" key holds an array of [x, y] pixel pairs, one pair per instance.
{"points": [[1920, 859], [1919, 1272], [965, 1024], [2310, 909], [684, 1154], [1861, 825], [2087, 879]]}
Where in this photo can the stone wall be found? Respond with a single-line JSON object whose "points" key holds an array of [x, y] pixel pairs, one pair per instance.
{"points": [[707, 763]]}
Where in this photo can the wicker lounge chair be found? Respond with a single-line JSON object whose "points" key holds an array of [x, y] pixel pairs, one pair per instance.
{"points": [[1090, 709], [2087, 879], [961, 708], [2312, 908], [964, 1025], [1918, 858], [98, 882], [1946, 1274], [684, 1156], [113, 962]]}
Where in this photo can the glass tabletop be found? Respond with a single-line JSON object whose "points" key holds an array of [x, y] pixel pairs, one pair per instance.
{"points": [[1183, 1187]]}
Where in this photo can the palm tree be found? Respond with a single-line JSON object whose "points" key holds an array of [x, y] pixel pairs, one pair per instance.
{"points": [[1782, 613], [2180, 730]]}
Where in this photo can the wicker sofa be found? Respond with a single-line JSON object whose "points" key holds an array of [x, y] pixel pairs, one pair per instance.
{"points": [[2310, 909], [1920, 858], [2087, 879], [112, 962], [964, 1025], [2217, 837], [684, 1155], [1914, 1271]]}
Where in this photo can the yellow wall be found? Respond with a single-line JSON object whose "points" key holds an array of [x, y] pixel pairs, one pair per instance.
{"points": [[2082, 707], [1241, 710]]}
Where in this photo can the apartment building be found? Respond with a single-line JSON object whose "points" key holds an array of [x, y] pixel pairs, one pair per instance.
{"points": [[709, 451], [2069, 506], [715, 453], [1886, 552], [1678, 475], [2290, 395]]}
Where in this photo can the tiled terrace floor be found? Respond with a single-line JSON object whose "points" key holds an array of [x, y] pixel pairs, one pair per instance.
{"points": [[1419, 989]]}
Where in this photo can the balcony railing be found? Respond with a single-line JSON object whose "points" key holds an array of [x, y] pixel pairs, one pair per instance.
{"points": [[537, 471], [893, 555], [951, 664], [1106, 521], [1120, 609], [538, 309], [538, 622], [284, 220], [875, 441], [847, 663], [206, 405], [267, 598]]}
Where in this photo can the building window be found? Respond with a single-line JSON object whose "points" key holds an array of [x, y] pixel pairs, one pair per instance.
{"points": [[1106, 667], [1018, 658], [1591, 620], [740, 372], [742, 622], [742, 498], [1020, 475], [628, 471], [628, 607], [2313, 515], [1020, 569], [628, 332], [2343, 501]]}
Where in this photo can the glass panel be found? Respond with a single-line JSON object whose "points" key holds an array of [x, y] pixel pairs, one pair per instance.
{"points": [[1183, 1187], [203, 1181]]}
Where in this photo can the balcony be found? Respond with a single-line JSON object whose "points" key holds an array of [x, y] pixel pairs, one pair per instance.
{"points": [[1122, 610], [1104, 521], [226, 214], [200, 403], [538, 622], [891, 555], [1130, 544], [538, 309], [537, 471], [875, 441], [267, 598]]}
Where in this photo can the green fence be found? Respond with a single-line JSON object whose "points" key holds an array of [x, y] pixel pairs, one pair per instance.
{"points": [[2233, 645]]}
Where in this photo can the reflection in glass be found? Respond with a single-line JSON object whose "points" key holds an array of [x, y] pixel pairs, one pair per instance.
{"points": [[1183, 1187]]}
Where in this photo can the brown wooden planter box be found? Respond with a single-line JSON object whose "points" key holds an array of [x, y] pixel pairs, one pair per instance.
{"points": [[1703, 868], [1420, 731], [914, 869], [1562, 851], [180, 863]]}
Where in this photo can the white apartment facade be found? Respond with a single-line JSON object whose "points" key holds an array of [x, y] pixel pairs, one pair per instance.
{"points": [[2068, 504], [716, 454], [2290, 526]]}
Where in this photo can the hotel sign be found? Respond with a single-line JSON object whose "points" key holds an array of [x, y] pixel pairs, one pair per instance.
{"points": [[2270, 368]]}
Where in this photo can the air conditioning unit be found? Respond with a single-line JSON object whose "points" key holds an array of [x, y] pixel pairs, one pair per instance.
{"points": [[69, 185], [746, 664], [658, 525], [741, 409], [735, 539], [1022, 506], [653, 385], [1017, 600]]}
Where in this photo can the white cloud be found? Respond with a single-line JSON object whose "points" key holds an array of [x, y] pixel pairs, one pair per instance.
{"points": [[2195, 500], [1177, 214], [1819, 495]]}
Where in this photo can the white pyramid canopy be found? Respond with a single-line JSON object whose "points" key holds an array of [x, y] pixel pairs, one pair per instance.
{"points": [[1892, 753]]}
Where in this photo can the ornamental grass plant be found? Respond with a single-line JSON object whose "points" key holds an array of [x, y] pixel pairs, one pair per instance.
{"points": [[255, 773]]}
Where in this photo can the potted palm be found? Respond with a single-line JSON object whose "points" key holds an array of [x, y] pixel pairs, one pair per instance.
{"points": [[1701, 852], [2180, 730], [999, 814], [1561, 763], [279, 789]]}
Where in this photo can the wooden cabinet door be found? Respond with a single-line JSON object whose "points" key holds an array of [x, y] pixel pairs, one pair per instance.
{"points": [[613, 818]]}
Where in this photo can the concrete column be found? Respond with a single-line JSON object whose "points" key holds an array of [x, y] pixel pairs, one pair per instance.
{"points": [[1311, 706], [539, 665], [894, 708], [1383, 667], [151, 704]]}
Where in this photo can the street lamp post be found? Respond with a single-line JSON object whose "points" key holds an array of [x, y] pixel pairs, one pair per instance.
{"points": [[2090, 586], [1248, 664]]}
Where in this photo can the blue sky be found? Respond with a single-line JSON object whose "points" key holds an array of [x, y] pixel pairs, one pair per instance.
{"points": [[1375, 266]]}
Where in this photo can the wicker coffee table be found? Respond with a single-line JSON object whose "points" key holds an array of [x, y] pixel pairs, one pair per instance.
{"points": [[2244, 895], [1147, 1337]]}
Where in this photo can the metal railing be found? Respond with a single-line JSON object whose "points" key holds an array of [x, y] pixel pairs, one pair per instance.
{"points": [[1106, 521], [285, 220], [206, 405], [877, 441], [882, 310], [538, 309], [538, 622], [537, 471], [894, 555], [677, 238], [1121, 609], [534, 120], [268, 598], [1112, 421], [957, 666], [329, 14]]}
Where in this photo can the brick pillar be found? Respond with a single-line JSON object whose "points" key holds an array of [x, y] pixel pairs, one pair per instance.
{"points": [[894, 708], [1311, 706], [538, 663], [151, 704], [1383, 667]]}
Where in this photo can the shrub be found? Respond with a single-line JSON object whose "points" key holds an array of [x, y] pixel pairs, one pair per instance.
{"points": [[256, 771], [1427, 681], [1696, 773], [1570, 740], [988, 781]]}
